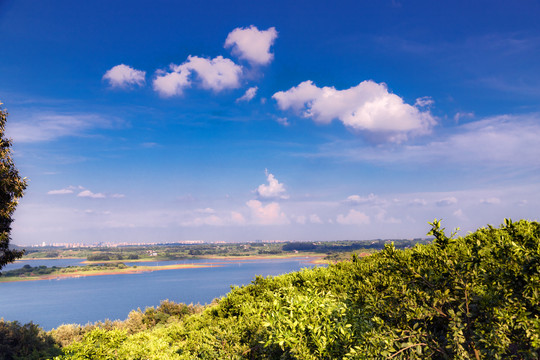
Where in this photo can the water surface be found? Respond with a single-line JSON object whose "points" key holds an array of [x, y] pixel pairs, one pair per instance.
{"points": [[51, 303]]}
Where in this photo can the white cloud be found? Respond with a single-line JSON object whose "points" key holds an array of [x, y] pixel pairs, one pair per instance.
{"points": [[354, 217], [123, 76], [270, 214], [89, 194], [252, 44], [216, 74], [47, 127], [424, 101], [274, 189], [249, 94], [173, 83], [509, 141], [366, 107], [213, 74], [60, 192], [447, 201]]}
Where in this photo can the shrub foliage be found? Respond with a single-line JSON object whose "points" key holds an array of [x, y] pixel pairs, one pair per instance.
{"points": [[472, 297]]}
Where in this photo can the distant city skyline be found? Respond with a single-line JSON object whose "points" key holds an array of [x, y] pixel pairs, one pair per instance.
{"points": [[168, 121]]}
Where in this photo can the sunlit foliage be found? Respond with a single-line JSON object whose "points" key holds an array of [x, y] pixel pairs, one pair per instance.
{"points": [[469, 297]]}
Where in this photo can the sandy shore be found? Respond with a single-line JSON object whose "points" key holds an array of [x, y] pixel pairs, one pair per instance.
{"points": [[313, 259], [129, 270]]}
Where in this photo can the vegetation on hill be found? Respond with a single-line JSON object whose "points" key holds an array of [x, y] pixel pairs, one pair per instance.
{"points": [[472, 297]]}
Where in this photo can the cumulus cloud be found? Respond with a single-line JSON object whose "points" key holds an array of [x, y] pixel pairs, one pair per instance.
{"points": [[366, 107], [249, 94], [216, 74], [89, 194], [123, 76], [172, 83], [354, 217], [212, 74], [252, 44], [447, 201], [270, 214], [274, 189]]}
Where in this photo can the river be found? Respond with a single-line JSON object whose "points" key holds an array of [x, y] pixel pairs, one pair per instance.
{"points": [[51, 303]]}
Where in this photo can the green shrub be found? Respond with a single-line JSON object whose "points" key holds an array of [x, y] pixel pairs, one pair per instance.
{"points": [[472, 297]]}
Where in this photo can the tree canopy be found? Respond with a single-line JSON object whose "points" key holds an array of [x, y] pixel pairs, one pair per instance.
{"points": [[12, 187]]}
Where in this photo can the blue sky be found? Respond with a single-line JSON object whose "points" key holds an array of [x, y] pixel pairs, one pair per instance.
{"points": [[139, 121]]}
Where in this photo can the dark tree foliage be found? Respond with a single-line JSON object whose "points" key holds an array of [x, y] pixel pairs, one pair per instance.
{"points": [[11, 190], [28, 342]]}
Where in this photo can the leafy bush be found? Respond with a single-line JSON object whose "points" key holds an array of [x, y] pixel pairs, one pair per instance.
{"points": [[470, 297]]}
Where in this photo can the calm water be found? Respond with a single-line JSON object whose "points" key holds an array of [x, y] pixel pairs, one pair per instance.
{"points": [[51, 303]]}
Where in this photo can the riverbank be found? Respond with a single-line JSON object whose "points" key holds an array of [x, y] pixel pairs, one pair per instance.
{"points": [[61, 273], [83, 273]]}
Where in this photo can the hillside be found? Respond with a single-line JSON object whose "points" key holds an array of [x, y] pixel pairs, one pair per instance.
{"points": [[472, 297]]}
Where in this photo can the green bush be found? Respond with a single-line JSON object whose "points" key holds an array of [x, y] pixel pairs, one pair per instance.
{"points": [[472, 297]]}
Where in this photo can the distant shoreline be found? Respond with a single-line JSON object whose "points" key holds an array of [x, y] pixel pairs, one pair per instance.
{"points": [[129, 270], [313, 259]]}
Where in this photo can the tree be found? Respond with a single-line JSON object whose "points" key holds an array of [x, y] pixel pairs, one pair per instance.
{"points": [[12, 187]]}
